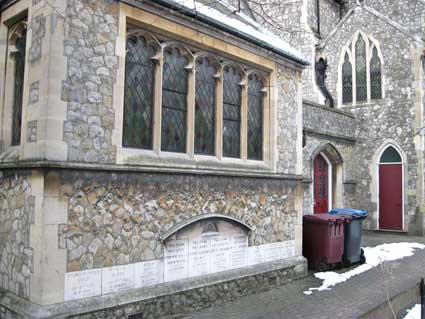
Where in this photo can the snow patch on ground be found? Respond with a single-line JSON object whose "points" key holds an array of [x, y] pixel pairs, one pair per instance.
{"points": [[414, 313], [374, 257]]}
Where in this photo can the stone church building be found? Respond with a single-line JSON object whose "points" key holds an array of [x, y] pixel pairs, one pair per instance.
{"points": [[158, 156]]}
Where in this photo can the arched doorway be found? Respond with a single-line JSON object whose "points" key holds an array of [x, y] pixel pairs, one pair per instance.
{"points": [[322, 184], [390, 190]]}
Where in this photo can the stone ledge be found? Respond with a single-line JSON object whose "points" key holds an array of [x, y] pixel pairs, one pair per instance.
{"points": [[346, 139], [328, 109], [147, 169], [229, 285]]}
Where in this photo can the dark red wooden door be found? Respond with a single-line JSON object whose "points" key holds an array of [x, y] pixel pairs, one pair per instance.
{"points": [[321, 183], [390, 197]]}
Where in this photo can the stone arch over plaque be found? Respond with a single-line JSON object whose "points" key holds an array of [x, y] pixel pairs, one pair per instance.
{"points": [[207, 224], [204, 244]]}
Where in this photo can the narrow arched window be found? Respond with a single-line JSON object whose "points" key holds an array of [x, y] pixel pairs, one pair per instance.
{"points": [[255, 118], [231, 112], [205, 101], [174, 101], [361, 79], [347, 80], [362, 56], [375, 76], [18, 87], [138, 94]]}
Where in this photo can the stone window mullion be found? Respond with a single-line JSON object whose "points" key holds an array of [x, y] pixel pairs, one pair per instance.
{"points": [[353, 68], [159, 58], [244, 118], [368, 59], [190, 138], [219, 115]]}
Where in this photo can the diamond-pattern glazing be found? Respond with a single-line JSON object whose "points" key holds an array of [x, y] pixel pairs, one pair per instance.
{"points": [[231, 112], [255, 118], [205, 99], [18, 88], [138, 94], [361, 75], [375, 76], [174, 93], [347, 81]]}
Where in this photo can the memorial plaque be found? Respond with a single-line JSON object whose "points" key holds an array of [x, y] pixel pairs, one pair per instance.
{"points": [[239, 251], [254, 255], [148, 273], [117, 278], [199, 256], [176, 260], [220, 253], [83, 284], [272, 252]]}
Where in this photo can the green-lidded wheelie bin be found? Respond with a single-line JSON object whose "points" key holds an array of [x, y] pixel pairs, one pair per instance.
{"points": [[353, 252]]}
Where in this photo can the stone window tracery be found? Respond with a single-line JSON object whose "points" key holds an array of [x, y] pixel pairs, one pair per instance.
{"points": [[207, 105], [361, 70]]}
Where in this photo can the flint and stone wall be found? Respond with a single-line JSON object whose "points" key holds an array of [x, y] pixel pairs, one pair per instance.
{"points": [[16, 216]]}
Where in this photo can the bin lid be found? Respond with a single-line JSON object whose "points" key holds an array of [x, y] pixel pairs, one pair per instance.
{"points": [[354, 213], [324, 219]]}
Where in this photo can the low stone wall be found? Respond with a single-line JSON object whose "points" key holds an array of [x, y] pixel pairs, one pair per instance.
{"points": [[117, 218]]}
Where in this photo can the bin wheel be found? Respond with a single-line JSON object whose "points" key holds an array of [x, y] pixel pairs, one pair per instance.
{"points": [[346, 263], [362, 257], [322, 266], [340, 265]]}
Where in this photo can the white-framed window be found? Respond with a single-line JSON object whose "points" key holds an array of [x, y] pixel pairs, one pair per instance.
{"points": [[360, 70], [180, 99]]}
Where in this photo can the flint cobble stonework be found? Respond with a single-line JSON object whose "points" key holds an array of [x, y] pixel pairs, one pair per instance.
{"points": [[91, 73], [16, 216], [116, 219]]}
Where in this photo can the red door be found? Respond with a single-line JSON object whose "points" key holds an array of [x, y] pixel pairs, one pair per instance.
{"points": [[321, 185], [390, 197]]}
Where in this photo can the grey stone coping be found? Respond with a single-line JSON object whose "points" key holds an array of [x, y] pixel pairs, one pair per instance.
{"points": [[328, 109], [235, 172], [70, 308], [344, 138], [179, 226]]}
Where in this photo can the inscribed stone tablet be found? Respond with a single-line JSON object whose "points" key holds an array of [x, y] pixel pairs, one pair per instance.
{"points": [[148, 273], [118, 278], [176, 260], [83, 284], [199, 256], [220, 253], [239, 251], [254, 256], [272, 251]]}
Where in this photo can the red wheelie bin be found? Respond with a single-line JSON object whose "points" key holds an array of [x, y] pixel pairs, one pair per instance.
{"points": [[323, 240]]}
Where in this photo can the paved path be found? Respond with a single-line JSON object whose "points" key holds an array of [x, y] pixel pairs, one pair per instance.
{"points": [[350, 299]]}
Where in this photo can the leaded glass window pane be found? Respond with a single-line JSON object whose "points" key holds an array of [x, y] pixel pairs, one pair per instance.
{"points": [[255, 118], [18, 88], [375, 76], [205, 99], [390, 155], [361, 75], [231, 112], [174, 93], [347, 81], [138, 94]]}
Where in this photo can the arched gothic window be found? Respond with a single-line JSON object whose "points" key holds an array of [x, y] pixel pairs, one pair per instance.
{"points": [[174, 101], [231, 112], [361, 70], [375, 76], [347, 80], [205, 103], [138, 94], [255, 117], [18, 88]]}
